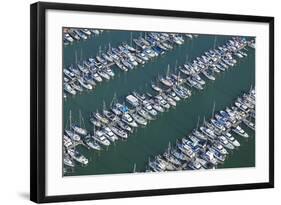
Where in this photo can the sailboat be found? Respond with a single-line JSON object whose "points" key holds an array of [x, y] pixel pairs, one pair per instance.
{"points": [[79, 129]]}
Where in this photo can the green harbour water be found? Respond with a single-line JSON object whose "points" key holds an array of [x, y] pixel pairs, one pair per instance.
{"points": [[169, 126]]}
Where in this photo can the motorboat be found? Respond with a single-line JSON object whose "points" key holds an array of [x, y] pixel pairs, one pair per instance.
{"points": [[155, 87], [88, 140], [100, 118], [208, 132], [140, 120], [144, 114], [124, 126], [72, 135], [148, 107], [231, 139], [209, 157], [218, 125], [249, 124], [225, 142], [79, 130], [97, 77], [132, 100], [238, 130], [110, 116], [85, 84], [128, 119], [109, 134], [119, 132], [95, 122], [67, 160], [69, 89], [100, 137], [77, 156]]}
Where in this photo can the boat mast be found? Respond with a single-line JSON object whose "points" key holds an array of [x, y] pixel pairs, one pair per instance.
{"points": [[215, 41], [131, 40], [168, 70], [81, 54], [176, 65], [82, 119], [213, 111], [79, 118], [70, 119], [198, 123], [169, 148], [186, 58], [75, 56], [103, 105], [99, 50], [134, 168], [109, 46]]}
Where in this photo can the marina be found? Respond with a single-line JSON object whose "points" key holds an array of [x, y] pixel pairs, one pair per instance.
{"points": [[125, 124]]}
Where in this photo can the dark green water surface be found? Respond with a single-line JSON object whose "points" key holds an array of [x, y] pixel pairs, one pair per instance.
{"points": [[169, 126]]}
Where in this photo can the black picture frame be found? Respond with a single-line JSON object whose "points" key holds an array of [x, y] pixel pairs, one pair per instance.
{"points": [[38, 100]]}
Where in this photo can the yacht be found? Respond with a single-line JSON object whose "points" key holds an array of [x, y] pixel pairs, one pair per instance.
{"points": [[77, 156], [109, 134], [124, 126], [148, 107], [69, 89], [166, 82], [72, 135], [144, 114], [119, 132], [198, 79], [209, 157], [238, 130], [194, 165], [103, 74], [218, 125], [100, 137], [220, 157], [208, 74], [88, 140], [169, 100], [84, 84], [217, 146], [109, 72], [249, 124], [170, 158], [97, 77], [110, 116], [231, 139], [208, 132], [173, 95], [199, 135], [179, 155], [67, 142], [225, 142], [184, 148], [155, 87], [107, 57], [156, 106], [132, 101], [162, 102], [100, 118], [79, 130], [68, 161], [128, 119], [95, 122], [140, 120]]}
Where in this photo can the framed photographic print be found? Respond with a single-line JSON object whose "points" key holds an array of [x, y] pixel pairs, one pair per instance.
{"points": [[129, 102]]}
